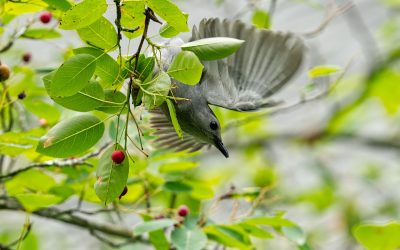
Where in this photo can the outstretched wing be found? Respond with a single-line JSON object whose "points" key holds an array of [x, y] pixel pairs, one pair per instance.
{"points": [[263, 65]]}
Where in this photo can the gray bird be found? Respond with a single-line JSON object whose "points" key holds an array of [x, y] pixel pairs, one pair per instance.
{"points": [[243, 81]]}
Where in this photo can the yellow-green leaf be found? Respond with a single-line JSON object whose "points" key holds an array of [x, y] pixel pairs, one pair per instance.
{"points": [[323, 70], [378, 237], [83, 14], [168, 11]]}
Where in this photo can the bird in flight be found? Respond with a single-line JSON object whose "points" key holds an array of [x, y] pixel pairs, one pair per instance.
{"points": [[244, 81]]}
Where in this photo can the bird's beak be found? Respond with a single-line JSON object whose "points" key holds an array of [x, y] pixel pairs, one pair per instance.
{"points": [[221, 147]]}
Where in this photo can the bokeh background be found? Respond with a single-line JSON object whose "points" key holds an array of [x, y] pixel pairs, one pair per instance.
{"points": [[330, 159]]}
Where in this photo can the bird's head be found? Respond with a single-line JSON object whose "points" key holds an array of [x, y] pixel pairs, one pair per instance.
{"points": [[205, 126]]}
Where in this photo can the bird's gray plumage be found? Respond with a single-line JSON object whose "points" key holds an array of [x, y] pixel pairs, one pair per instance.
{"points": [[262, 66], [243, 81]]}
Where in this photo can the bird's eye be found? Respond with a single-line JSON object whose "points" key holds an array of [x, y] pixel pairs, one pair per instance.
{"points": [[214, 125]]}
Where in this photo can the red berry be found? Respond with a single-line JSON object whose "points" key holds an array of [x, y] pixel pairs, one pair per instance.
{"points": [[45, 17], [118, 156], [123, 192], [26, 57], [183, 210]]}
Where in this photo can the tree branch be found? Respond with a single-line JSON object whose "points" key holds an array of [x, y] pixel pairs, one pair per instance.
{"points": [[94, 227], [57, 163], [16, 34]]}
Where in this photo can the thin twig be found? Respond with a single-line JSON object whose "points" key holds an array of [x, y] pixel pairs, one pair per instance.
{"points": [[137, 147], [57, 163], [136, 56], [26, 230], [332, 12]]}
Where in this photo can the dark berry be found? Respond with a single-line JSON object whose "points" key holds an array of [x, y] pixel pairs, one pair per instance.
{"points": [[4, 72], [26, 57], [45, 17], [123, 192], [183, 210], [118, 156], [21, 95]]}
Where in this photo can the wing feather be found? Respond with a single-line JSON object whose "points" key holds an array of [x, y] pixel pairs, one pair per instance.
{"points": [[167, 136], [262, 66]]}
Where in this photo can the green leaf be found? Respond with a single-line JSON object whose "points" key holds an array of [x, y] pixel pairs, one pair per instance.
{"points": [[114, 102], [62, 191], [32, 180], [15, 143], [106, 67], [261, 19], [188, 239], [201, 191], [48, 80], [226, 236], [213, 48], [235, 232], [145, 67], [83, 14], [24, 184], [31, 242], [133, 16], [157, 237], [111, 177], [174, 120], [42, 109], [295, 234], [32, 201], [100, 34], [88, 99], [72, 136], [186, 68], [323, 70], [168, 11], [41, 33], [73, 75], [177, 166], [385, 86], [19, 8], [168, 31], [273, 221], [378, 237], [156, 90], [321, 197], [63, 5], [24, 79], [177, 187], [255, 231], [158, 240], [150, 226]]}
